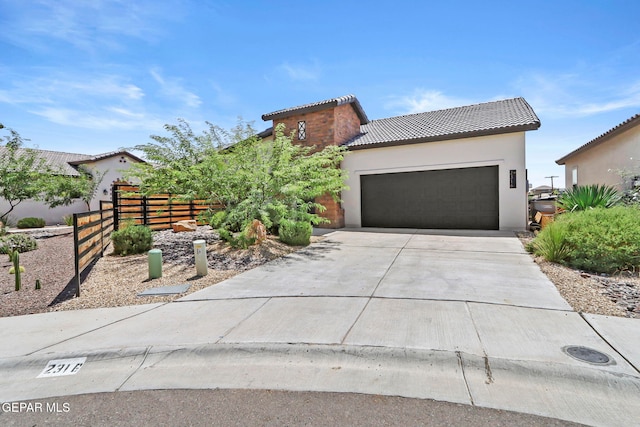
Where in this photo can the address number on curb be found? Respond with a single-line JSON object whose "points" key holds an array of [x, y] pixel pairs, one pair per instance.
{"points": [[61, 367]]}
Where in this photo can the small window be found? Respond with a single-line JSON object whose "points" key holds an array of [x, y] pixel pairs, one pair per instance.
{"points": [[512, 178], [302, 130], [574, 176]]}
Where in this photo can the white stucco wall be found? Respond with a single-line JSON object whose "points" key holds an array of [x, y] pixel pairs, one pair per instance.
{"points": [[113, 167], [507, 151], [29, 208], [600, 164]]}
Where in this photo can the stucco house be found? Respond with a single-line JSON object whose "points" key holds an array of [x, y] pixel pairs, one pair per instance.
{"points": [[112, 164], [600, 160], [458, 168]]}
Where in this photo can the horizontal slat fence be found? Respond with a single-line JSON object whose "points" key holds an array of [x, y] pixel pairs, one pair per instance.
{"points": [[91, 235], [157, 211]]}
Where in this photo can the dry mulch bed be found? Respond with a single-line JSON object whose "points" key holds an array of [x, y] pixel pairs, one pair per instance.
{"points": [[116, 281]]}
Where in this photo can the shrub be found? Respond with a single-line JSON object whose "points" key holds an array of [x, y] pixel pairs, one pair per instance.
{"points": [[631, 198], [217, 219], [295, 233], [19, 242], [31, 222], [236, 240], [68, 219], [551, 243], [588, 196], [134, 239], [604, 240]]}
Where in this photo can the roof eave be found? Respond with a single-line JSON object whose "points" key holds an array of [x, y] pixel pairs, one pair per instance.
{"points": [[99, 157], [355, 104], [623, 127], [448, 137]]}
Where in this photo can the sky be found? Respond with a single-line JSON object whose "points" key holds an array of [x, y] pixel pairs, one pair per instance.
{"points": [[94, 76]]}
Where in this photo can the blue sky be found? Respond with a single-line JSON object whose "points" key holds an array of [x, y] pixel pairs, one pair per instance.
{"points": [[95, 76]]}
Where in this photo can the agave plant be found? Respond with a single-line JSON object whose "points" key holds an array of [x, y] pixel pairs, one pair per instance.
{"points": [[585, 197]]}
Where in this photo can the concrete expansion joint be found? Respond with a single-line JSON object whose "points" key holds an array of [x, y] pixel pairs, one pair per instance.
{"points": [[604, 338]]}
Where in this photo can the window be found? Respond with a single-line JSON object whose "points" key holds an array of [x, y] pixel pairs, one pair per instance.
{"points": [[302, 130], [512, 178], [574, 176]]}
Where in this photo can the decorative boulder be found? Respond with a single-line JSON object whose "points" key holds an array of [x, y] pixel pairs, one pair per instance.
{"points": [[257, 231], [186, 225]]}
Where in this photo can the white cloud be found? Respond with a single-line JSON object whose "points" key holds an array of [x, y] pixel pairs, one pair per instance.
{"points": [[103, 119], [68, 88], [572, 95], [174, 89], [422, 100], [88, 25], [301, 72], [93, 102]]}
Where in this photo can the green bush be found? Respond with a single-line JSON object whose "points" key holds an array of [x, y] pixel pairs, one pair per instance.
{"points": [[68, 219], [236, 240], [598, 240], [552, 243], [218, 219], [19, 242], [585, 197], [31, 222], [295, 233], [134, 239], [604, 240]]}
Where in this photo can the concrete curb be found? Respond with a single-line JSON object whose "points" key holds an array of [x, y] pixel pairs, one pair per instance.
{"points": [[587, 395]]}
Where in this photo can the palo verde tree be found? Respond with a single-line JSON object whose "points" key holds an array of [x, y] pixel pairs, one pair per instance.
{"points": [[23, 173], [62, 190], [272, 181]]}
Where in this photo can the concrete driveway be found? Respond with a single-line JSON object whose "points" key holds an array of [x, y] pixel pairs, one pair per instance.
{"points": [[464, 317], [489, 267]]}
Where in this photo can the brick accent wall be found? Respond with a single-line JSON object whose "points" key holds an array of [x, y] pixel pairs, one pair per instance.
{"points": [[331, 126]]}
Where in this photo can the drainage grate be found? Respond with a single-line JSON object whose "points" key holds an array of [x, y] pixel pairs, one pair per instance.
{"points": [[586, 354]]}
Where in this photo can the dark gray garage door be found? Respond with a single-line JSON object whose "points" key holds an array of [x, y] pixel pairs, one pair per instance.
{"points": [[452, 198]]}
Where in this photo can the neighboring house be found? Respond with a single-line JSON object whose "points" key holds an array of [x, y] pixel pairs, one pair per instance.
{"points": [[543, 189], [111, 164], [459, 168], [600, 160]]}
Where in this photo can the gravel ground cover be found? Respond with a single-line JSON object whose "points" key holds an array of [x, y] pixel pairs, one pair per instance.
{"points": [[52, 263], [616, 295], [117, 281]]}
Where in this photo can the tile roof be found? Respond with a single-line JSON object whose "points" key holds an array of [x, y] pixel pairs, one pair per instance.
{"points": [[509, 115], [67, 161], [56, 159], [97, 157], [627, 124], [320, 105]]}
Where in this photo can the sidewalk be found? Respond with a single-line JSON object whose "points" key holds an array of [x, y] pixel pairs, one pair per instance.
{"points": [[465, 318]]}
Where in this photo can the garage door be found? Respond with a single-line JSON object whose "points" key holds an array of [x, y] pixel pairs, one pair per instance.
{"points": [[453, 198]]}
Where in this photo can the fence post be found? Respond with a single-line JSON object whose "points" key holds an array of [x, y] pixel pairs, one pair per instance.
{"points": [[76, 253], [144, 210], [170, 202], [114, 197]]}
